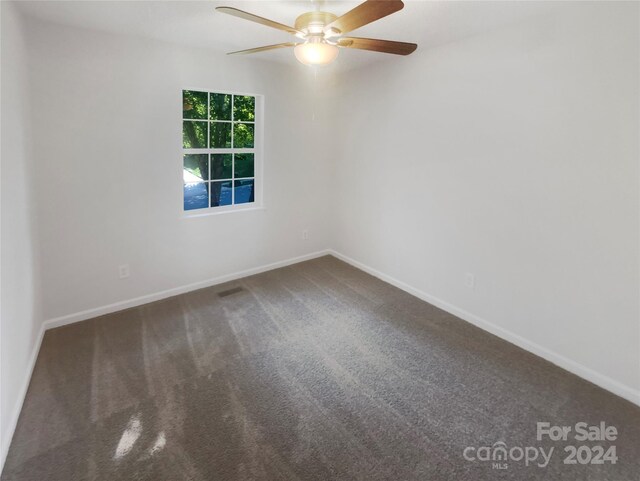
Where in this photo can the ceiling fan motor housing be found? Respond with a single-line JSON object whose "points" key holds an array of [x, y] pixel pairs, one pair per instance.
{"points": [[313, 23]]}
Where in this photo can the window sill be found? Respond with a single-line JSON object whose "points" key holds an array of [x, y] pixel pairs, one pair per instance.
{"points": [[189, 215]]}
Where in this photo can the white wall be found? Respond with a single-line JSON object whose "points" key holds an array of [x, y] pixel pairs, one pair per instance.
{"points": [[512, 156], [20, 317], [107, 116]]}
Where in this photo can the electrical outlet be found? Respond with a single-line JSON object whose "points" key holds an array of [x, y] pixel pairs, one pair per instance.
{"points": [[123, 271], [305, 234], [469, 280]]}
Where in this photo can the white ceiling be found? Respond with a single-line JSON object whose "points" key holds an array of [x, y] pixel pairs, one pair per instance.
{"points": [[197, 24]]}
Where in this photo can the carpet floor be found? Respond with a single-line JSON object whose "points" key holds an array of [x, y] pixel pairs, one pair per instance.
{"points": [[316, 371]]}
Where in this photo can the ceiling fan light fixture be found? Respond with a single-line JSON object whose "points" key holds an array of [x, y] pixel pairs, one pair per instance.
{"points": [[316, 53]]}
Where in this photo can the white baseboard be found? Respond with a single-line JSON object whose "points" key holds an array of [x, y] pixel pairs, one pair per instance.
{"points": [[156, 296], [574, 367], [17, 408]]}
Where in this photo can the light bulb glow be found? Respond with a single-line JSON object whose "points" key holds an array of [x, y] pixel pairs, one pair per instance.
{"points": [[316, 53]]}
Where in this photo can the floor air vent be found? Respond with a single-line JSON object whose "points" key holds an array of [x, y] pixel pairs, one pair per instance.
{"points": [[229, 292]]}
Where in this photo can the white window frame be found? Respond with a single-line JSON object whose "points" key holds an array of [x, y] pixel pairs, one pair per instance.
{"points": [[257, 151]]}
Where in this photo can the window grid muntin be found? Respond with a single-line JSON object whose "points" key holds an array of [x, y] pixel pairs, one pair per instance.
{"points": [[224, 150]]}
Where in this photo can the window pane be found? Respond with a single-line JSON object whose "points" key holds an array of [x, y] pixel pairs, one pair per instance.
{"points": [[194, 135], [196, 195], [220, 135], [220, 106], [221, 166], [244, 108], [243, 136], [244, 191], [194, 105], [244, 165], [220, 193], [196, 168]]}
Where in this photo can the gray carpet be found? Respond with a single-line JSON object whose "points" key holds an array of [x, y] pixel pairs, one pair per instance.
{"points": [[316, 371]]}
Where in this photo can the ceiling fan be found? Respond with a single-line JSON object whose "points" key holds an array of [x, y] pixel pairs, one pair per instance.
{"points": [[323, 33]]}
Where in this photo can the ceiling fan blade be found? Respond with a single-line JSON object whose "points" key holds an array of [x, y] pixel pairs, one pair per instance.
{"points": [[365, 13], [376, 45], [255, 18], [263, 49]]}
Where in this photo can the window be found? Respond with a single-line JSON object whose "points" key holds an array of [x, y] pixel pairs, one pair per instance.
{"points": [[220, 161]]}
